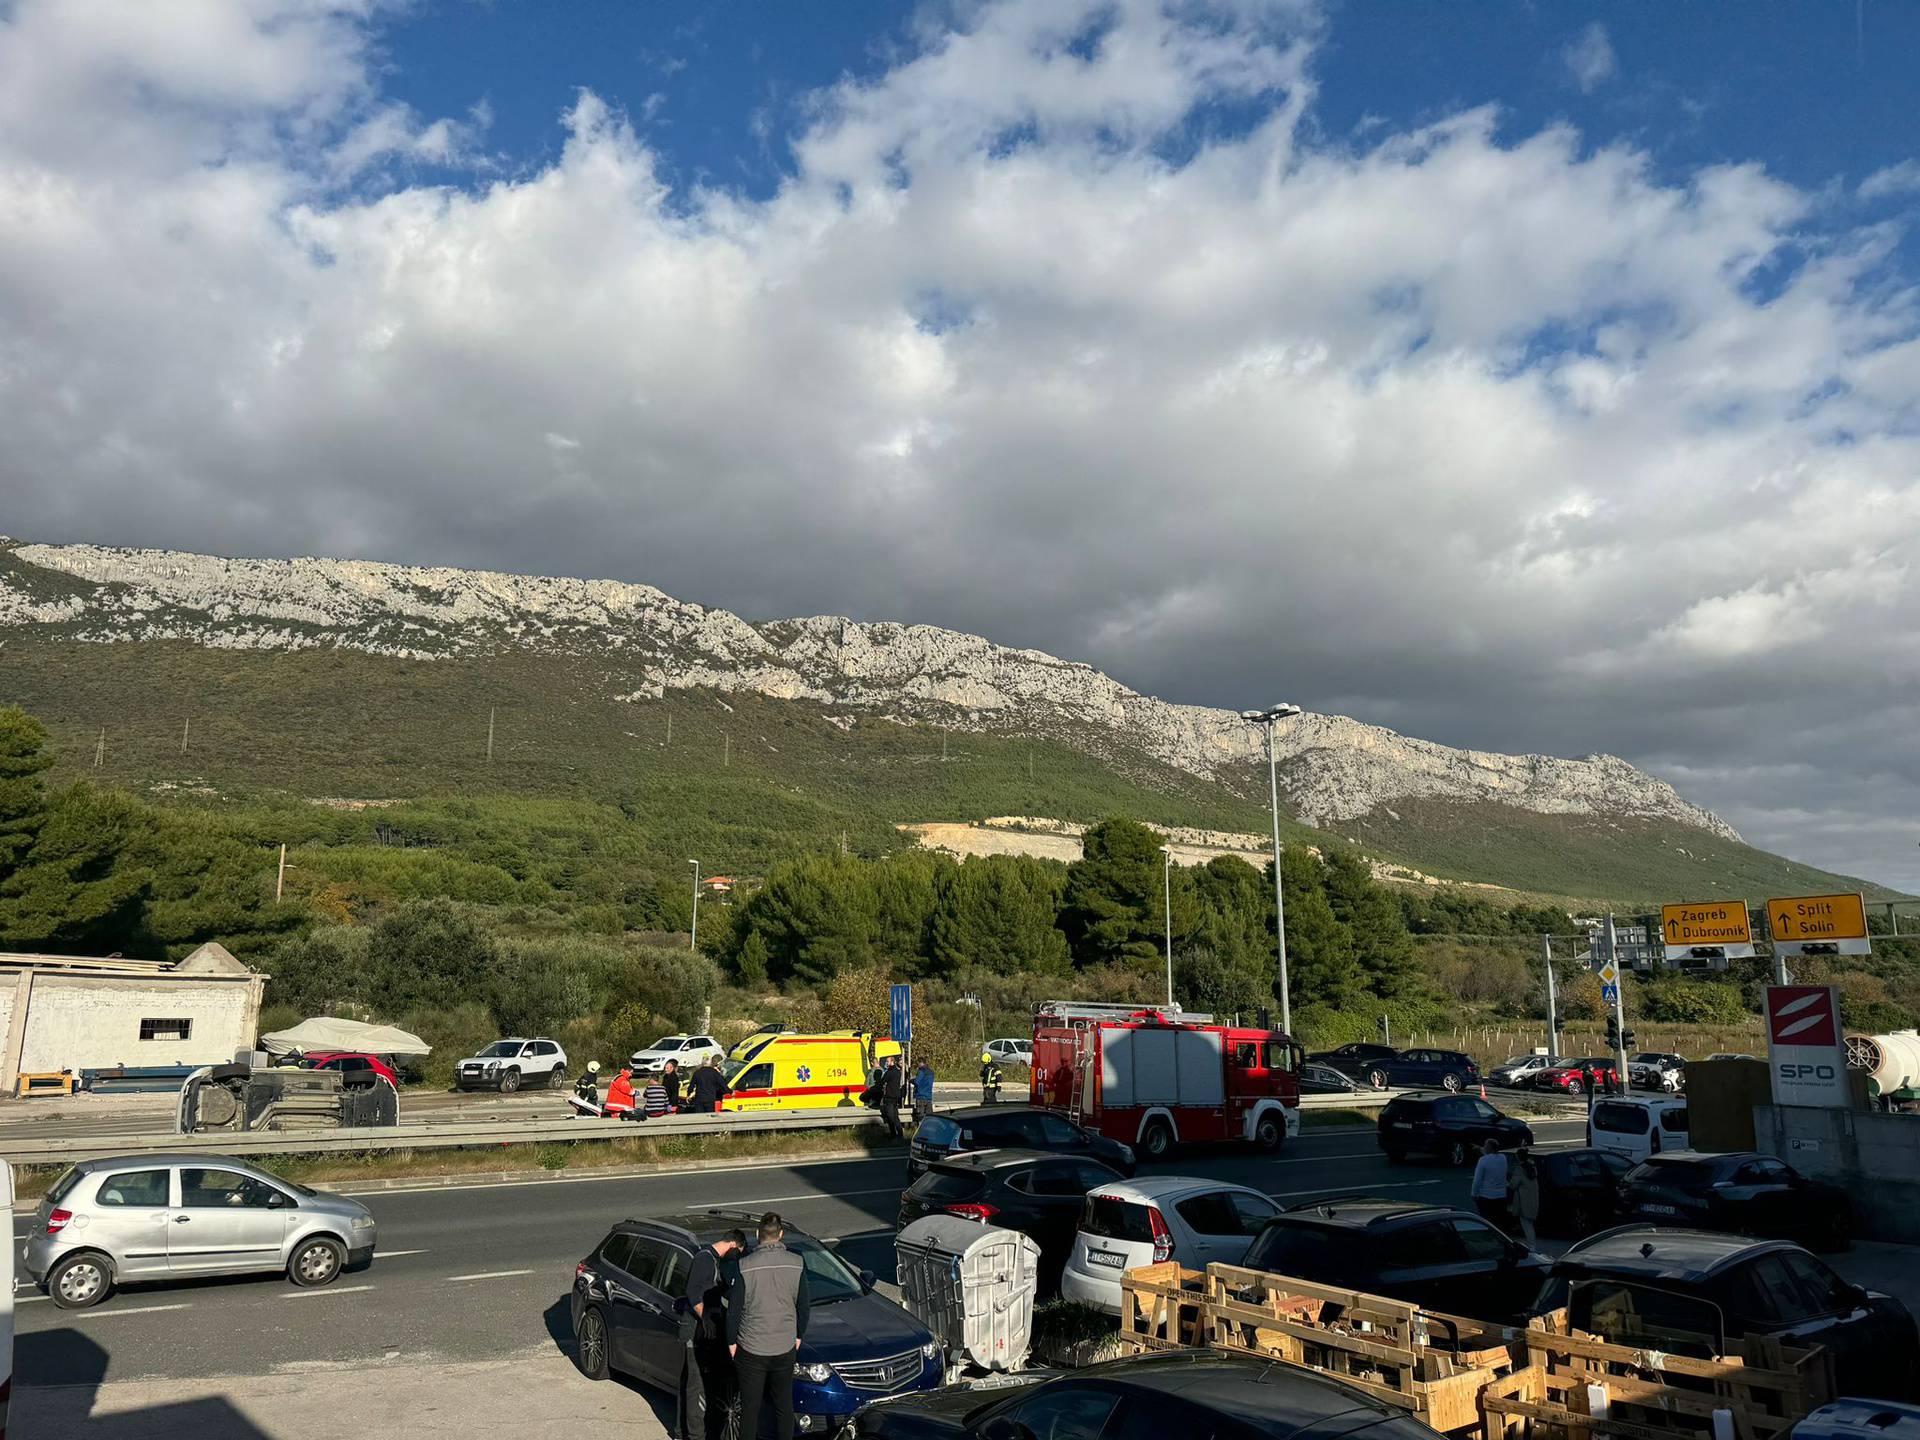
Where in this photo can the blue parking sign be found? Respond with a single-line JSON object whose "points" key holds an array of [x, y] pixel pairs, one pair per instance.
{"points": [[901, 1001]]}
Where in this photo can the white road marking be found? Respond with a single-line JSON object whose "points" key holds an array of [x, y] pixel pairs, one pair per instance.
{"points": [[490, 1275], [136, 1310], [396, 1254], [324, 1290], [30, 1299]]}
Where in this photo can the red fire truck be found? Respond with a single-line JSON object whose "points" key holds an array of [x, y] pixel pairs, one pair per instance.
{"points": [[1154, 1079]]}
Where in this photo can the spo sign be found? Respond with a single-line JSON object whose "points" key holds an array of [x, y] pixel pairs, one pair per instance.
{"points": [[1818, 925], [1804, 1053], [1719, 926]]}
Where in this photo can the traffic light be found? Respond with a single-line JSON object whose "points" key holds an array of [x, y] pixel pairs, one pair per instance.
{"points": [[1626, 1040], [1380, 1024], [1613, 1033], [1558, 1024]]}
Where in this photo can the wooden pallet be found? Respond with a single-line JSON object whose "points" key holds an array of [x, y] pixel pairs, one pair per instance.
{"points": [[1164, 1307]]}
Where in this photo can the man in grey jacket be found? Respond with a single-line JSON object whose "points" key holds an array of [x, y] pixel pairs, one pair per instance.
{"points": [[766, 1316]]}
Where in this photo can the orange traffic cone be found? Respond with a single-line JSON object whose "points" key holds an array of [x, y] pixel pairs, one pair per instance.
{"points": [[1483, 1089]]}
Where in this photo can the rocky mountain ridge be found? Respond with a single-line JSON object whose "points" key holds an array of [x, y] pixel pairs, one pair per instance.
{"points": [[1334, 768]]}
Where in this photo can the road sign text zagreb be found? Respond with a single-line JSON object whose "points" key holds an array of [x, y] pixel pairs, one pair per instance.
{"points": [[1712, 922]]}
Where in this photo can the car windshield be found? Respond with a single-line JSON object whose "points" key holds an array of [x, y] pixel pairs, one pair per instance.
{"points": [[668, 1042], [500, 1049], [1305, 1251], [1517, 1060], [1669, 1171], [828, 1278], [1646, 1057]]}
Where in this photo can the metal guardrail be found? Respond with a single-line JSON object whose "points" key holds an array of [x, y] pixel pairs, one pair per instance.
{"points": [[445, 1135]]}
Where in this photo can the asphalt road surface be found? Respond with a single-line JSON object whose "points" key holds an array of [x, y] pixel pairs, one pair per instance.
{"points": [[482, 1272]]}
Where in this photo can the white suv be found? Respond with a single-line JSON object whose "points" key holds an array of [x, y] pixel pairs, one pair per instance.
{"points": [[506, 1065], [689, 1050]]}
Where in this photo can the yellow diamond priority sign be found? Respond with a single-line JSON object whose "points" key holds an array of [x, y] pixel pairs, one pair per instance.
{"points": [[1709, 928]]}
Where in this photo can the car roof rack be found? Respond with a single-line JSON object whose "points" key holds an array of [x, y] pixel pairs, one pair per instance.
{"points": [[1344, 1195]]}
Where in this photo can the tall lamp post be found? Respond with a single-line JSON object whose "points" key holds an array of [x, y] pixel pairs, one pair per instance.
{"points": [[1166, 875], [1268, 717], [693, 931]]}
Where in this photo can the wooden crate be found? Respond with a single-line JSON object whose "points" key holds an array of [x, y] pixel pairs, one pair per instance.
{"points": [[1163, 1307], [1432, 1363]]}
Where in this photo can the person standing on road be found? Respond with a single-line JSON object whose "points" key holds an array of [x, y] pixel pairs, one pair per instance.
{"points": [[703, 1329], [708, 1086], [1489, 1188], [766, 1319], [893, 1089], [1523, 1191], [670, 1081], [922, 1091]]}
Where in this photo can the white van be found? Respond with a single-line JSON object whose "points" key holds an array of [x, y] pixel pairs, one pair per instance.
{"points": [[1633, 1127]]}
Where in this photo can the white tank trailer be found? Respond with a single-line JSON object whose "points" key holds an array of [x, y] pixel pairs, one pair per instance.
{"points": [[1892, 1063]]}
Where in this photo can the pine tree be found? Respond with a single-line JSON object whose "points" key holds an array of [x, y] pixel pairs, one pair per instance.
{"points": [[1112, 908], [23, 803], [1321, 965], [1375, 925], [72, 891], [997, 912]]}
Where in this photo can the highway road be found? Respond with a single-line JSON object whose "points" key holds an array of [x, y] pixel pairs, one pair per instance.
{"points": [[481, 1272]]}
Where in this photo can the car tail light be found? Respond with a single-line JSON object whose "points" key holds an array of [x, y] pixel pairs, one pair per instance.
{"points": [[974, 1210], [583, 1272], [57, 1221], [1162, 1237]]}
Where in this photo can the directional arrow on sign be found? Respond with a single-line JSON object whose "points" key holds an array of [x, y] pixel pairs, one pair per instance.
{"points": [[1673, 927]]}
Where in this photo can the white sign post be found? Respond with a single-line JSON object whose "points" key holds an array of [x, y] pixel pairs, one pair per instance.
{"points": [[1805, 1054]]}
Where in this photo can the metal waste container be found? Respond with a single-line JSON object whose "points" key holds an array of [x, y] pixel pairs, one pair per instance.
{"points": [[972, 1285], [1860, 1420]]}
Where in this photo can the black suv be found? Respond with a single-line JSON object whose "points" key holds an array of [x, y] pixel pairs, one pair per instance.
{"points": [[1149, 1397], [1424, 1070], [1355, 1061], [1025, 1127], [1039, 1195], [1697, 1293], [1744, 1190], [1454, 1127], [1426, 1255]]}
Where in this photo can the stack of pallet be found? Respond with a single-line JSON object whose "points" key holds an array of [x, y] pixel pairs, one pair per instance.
{"points": [[1469, 1378]]}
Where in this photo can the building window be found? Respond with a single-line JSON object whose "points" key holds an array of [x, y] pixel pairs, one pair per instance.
{"points": [[165, 1029]]}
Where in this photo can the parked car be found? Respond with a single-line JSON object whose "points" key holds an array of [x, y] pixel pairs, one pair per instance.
{"points": [[1318, 1079], [1731, 1055], [982, 1127], [1039, 1195], [1570, 1076], [1011, 1051], [1425, 1069], [1454, 1127], [1356, 1061], [1520, 1069], [1579, 1190], [1656, 1070], [689, 1050], [1424, 1254], [859, 1346], [129, 1218], [506, 1065], [1197, 1393], [1743, 1191], [355, 1067], [1697, 1293], [1166, 1217], [1634, 1127]]}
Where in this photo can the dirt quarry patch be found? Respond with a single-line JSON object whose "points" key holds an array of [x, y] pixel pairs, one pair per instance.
{"points": [[1060, 840]]}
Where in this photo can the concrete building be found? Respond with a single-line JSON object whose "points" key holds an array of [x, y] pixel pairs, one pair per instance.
{"points": [[67, 1012]]}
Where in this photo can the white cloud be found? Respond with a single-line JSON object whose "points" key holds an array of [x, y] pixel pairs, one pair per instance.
{"points": [[1895, 180], [1499, 439], [1590, 59]]}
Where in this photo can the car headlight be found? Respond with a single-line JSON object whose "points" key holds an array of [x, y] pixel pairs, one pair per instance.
{"points": [[817, 1373], [930, 1349], [363, 1222]]}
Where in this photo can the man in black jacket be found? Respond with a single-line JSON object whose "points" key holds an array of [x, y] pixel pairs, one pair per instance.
{"points": [[703, 1329], [708, 1086], [893, 1090], [670, 1082]]}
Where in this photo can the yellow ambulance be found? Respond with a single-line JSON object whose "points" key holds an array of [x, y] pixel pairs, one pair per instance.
{"points": [[804, 1072]]}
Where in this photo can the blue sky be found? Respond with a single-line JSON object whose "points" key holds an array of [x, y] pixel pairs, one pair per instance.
{"points": [[1535, 377]]}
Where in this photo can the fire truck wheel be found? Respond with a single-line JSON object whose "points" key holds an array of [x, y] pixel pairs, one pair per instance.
{"points": [[1269, 1134], [1157, 1142]]}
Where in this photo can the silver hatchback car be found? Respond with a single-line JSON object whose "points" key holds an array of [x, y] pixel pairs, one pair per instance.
{"points": [[157, 1217]]}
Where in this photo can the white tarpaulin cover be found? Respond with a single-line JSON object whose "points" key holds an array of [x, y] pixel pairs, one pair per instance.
{"points": [[324, 1032]]}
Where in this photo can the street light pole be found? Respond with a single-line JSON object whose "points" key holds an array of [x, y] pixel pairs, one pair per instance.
{"points": [[1166, 872], [1268, 717], [693, 931]]}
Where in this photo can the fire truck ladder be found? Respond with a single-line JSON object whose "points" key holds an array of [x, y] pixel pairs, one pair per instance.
{"points": [[1078, 1013]]}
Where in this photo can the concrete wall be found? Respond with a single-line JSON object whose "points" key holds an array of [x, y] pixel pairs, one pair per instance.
{"points": [[75, 1022], [1875, 1157]]}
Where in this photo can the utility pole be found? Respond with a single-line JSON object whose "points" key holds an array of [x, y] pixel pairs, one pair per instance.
{"points": [[1553, 1007], [1030, 781], [669, 731], [1268, 717], [100, 749], [490, 735], [185, 728], [1166, 872], [726, 752], [280, 880], [693, 931], [943, 748]]}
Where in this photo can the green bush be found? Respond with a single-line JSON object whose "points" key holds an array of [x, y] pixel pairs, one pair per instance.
{"points": [[1682, 1000]]}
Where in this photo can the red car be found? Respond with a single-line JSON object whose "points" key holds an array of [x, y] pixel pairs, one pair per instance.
{"points": [[354, 1066], [1569, 1077]]}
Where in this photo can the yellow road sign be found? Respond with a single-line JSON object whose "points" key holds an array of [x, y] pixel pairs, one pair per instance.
{"points": [[1608, 974], [1818, 917], [1707, 922]]}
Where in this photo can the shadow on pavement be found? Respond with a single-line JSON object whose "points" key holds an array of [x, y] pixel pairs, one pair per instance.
{"points": [[559, 1321], [61, 1372]]}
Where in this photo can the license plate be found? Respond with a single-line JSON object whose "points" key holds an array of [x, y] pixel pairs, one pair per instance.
{"points": [[1106, 1257], [1403, 1124], [1661, 1209]]}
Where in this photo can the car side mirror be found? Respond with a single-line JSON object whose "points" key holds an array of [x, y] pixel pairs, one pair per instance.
{"points": [[867, 1281], [276, 1201]]}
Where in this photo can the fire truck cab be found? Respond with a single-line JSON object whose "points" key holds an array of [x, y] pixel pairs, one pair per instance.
{"points": [[1156, 1078]]}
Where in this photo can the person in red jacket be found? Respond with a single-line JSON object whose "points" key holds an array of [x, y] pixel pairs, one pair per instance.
{"points": [[620, 1094]]}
